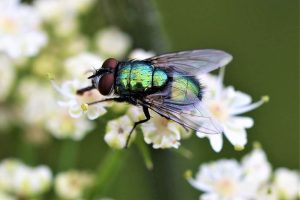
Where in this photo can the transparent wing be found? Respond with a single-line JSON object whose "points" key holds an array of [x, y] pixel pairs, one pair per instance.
{"points": [[193, 116], [180, 104], [192, 62]]}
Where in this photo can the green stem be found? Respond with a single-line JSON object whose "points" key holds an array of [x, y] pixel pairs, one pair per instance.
{"points": [[106, 173], [144, 150], [67, 156], [26, 151]]}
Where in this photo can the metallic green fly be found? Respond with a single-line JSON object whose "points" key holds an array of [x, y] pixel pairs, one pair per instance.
{"points": [[166, 84]]}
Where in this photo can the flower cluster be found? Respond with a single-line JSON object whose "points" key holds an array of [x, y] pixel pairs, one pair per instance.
{"points": [[24, 181], [20, 35], [71, 184], [252, 178]]}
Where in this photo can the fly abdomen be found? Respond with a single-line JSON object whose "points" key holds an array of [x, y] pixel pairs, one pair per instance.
{"points": [[137, 77]]}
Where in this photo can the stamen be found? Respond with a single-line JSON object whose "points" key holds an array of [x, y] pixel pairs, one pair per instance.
{"points": [[84, 107], [188, 174], [239, 147], [264, 99]]}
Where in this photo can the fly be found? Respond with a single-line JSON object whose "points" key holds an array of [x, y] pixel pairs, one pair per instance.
{"points": [[166, 84]]}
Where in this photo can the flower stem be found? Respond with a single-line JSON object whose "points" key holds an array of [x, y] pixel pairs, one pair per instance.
{"points": [[68, 153], [144, 150], [106, 172]]}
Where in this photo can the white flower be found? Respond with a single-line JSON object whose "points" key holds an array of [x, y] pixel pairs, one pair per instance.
{"points": [[112, 42], [20, 34], [62, 126], [140, 54], [55, 10], [66, 27], [74, 102], [225, 104], [256, 167], [79, 65], [39, 101], [135, 113], [32, 181], [71, 184], [287, 183], [7, 76], [267, 192], [162, 133], [17, 178], [8, 169], [117, 132], [222, 180], [250, 180], [78, 45]]}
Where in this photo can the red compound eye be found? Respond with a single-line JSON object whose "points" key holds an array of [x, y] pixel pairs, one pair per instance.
{"points": [[106, 82]]}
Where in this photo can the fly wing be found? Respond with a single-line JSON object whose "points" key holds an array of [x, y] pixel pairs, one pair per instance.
{"points": [[192, 63], [194, 116], [180, 102]]}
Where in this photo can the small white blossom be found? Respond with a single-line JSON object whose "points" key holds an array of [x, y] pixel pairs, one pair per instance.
{"points": [[287, 183], [7, 76], [162, 133], [20, 34], [266, 192], [140, 54], [78, 45], [38, 101], [250, 180], [81, 65], [225, 104], [135, 113], [256, 167], [66, 27], [71, 184], [8, 169], [55, 10], [32, 181], [117, 132], [62, 126], [22, 180], [74, 102], [112, 42], [222, 180]]}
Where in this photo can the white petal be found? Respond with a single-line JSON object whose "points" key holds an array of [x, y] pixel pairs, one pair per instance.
{"points": [[95, 112], [75, 111], [236, 136], [242, 122], [240, 99], [216, 141], [209, 196]]}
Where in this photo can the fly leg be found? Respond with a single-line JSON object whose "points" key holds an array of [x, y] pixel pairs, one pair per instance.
{"points": [[83, 90], [147, 115], [117, 99]]}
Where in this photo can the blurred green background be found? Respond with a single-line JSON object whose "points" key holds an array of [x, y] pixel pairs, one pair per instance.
{"points": [[262, 36]]}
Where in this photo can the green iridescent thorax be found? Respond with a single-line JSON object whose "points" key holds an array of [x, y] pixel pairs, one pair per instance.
{"points": [[185, 89], [137, 77]]}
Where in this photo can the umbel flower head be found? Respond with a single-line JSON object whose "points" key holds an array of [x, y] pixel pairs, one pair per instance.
{"points": [[71, 184], [250, 179], [22, 180], [20, 34]]}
